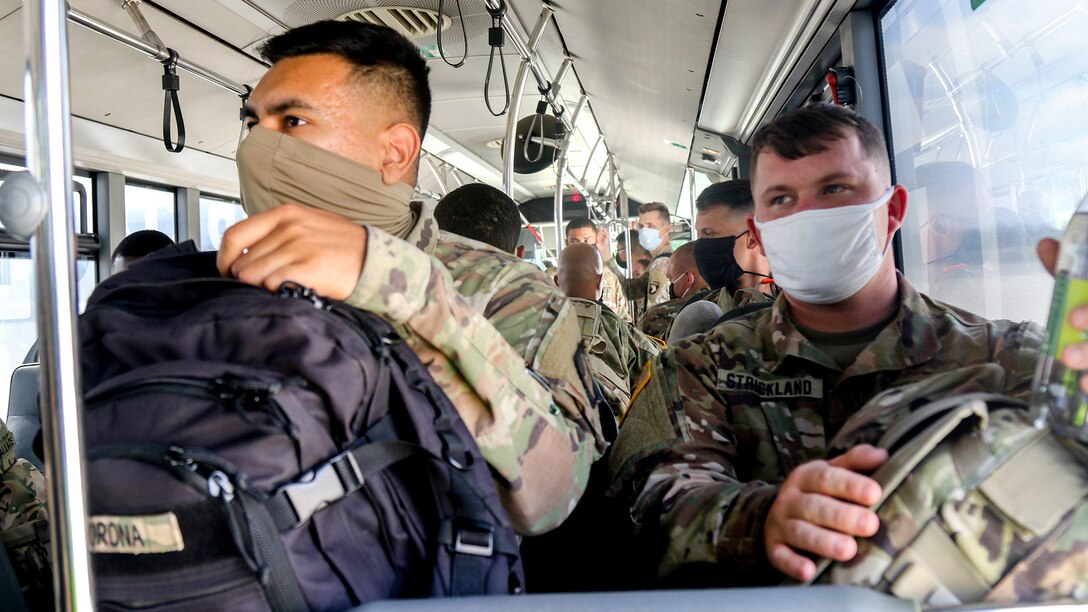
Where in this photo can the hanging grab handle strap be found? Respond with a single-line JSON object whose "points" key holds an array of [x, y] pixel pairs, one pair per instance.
{"points": [[171, 84], [496, 39]]}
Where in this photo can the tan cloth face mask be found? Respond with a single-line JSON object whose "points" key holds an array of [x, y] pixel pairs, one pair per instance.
{"points": [[275, 169]]}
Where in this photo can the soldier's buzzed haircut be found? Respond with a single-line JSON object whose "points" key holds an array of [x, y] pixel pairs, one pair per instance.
{"points": [[736, 195], [482, 213], [810, 129], [657, 207], [141, 244], [579, 223], [377, 52]]}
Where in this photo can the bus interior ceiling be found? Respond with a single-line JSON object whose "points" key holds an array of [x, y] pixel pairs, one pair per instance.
{"points": [[660, 88]]}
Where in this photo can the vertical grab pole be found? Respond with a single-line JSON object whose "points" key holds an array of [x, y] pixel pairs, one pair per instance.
{"points": [[562, 164], [516, 94], [691, 198], [49, 159]]}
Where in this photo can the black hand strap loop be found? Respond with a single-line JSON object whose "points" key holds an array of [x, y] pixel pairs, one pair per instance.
{"points": [[464, 34], [496, 39], [171, 84]]}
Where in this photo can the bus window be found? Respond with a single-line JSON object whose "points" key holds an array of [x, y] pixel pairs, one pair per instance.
{"points": [[216, 215], [988, 108], [148, 207]]}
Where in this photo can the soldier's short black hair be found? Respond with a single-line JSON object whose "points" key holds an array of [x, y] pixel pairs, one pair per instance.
{"points": [[657, 207], [141, 244], [377, 52], [736, 195], [482, 213], [579, 223], [809, 129]]}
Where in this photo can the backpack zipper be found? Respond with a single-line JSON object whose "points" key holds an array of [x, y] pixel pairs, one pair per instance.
{"points": [[243, 395]]}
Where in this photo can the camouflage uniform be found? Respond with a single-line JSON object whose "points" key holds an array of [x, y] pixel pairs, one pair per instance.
{"points": [[658, 319], [651, 288], [979, 505], [612, 293], [633, 289], [724, 417], [24, 525], [657, 275], [728, 301], [617, 351], [512, 372]]}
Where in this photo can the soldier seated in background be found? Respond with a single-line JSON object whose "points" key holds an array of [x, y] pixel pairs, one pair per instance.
{"points": [[723, 455], [685, 285], [584, 230], [726, 253], [135, 247], [617, 351], [326, 173], [482, 213]]}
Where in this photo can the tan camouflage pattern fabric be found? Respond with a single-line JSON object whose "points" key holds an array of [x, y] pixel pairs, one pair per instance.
{"points": [[657, 278], [728, 301], [24, 526], [634, 290], [500, 339], [725, 416], [612, 294], [979, 506], [657, 321], [617, 351]]}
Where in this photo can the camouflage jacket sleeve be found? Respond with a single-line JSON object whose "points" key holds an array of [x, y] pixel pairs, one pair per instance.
{"points": [[1016, 349], [518, 428], [674, 465], [657, 292]]}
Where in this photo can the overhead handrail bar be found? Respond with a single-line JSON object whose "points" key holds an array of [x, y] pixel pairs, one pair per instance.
{"points": [[158, 53], [518, 91], [592, 152], [527, 50], [49, 159]]}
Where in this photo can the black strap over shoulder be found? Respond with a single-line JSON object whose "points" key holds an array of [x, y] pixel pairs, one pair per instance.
{"points": [[741, 311]]}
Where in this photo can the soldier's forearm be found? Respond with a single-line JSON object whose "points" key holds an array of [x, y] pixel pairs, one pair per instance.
{"points": [[706, 520]]}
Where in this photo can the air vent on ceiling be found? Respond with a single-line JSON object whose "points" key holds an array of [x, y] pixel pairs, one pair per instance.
{"points": [[409, 21]]}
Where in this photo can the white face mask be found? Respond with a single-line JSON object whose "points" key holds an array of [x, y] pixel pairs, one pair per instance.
{"points": [[649, 238], [825, 255]]}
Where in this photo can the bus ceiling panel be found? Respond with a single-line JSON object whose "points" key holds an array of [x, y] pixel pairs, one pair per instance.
{"points": [[642, 63], [9, 8], [117, 86], [763, 49], [99, 147], [232, 21]]}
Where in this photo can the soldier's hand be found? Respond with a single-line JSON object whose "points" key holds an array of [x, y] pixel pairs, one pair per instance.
{"points": [[820, 508], [604, 245], [315, 248], [1076, 355]]}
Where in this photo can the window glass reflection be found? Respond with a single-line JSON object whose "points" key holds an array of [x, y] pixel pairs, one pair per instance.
{"points": [[989, 122]]}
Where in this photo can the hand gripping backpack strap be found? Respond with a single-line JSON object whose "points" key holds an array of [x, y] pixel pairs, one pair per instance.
{"points": [[908, 447], [251, 525]]}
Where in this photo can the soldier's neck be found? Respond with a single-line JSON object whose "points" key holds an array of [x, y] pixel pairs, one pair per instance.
{"points": [[876, 302]]}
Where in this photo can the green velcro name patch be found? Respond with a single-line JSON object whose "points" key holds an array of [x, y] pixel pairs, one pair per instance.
{"points": [[135, 535], [741, 381]]}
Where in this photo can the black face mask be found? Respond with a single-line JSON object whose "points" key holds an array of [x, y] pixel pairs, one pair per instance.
{"points": [[715, 260]]}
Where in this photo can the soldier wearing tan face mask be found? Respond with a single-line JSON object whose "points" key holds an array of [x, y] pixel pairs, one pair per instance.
{"points": [[327, 171]]}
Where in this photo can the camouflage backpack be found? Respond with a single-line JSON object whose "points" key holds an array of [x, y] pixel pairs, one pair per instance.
{"points": [[24, 526], [978, 503]]}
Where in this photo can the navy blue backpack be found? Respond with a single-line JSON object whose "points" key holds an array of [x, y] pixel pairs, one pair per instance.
{"points": [[258, 450]]}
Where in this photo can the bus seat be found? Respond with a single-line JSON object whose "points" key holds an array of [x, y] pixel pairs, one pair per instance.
{"points": [[24, 415], [768, 599]]}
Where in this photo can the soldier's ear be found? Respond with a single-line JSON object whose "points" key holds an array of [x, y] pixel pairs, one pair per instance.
{"points": [[753, 231]]}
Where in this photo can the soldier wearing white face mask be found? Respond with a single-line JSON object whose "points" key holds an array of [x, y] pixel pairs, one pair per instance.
{"points": [[723, 454]]}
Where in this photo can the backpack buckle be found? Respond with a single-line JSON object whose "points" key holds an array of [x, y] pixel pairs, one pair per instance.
{"points": [[331, 482], [479, 541]]}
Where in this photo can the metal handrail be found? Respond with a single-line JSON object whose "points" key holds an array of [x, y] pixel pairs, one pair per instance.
{"points": [[155, 52], [49, 160]]}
